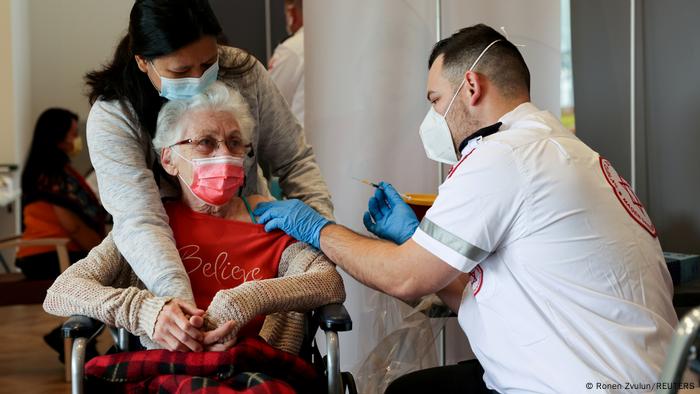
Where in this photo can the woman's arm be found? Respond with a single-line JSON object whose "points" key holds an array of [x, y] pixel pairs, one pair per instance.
{"points": [[307, 280], [282, 147], [99, 287], [122, 157], [77, 230]]}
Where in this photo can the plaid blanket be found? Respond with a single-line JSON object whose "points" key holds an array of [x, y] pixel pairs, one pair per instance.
{"points": [[250, 367]]}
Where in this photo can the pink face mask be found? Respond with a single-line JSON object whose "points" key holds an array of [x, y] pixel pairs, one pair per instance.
{"points": [[215, 180]]}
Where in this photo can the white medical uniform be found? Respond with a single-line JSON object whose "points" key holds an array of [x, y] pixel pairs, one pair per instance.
{"points": [[287, 71], [568, 283]]}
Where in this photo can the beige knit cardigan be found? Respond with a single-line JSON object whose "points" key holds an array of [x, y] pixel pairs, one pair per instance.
{"points": [[104, 287]]}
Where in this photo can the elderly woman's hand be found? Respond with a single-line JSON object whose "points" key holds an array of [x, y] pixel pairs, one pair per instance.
{"points": [[178, 327], [221, 338]]}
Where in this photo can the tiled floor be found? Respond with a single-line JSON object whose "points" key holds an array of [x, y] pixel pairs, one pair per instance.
{"points": [[27, 364]]}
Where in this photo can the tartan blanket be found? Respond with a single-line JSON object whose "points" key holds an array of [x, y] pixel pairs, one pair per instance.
{"points": [[251, 367]]}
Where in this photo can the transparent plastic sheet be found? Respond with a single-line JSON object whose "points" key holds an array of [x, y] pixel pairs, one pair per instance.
{"points": [[407, 342]]}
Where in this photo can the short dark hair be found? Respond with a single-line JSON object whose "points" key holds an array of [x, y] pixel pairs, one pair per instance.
{"points": [[502, 63]]}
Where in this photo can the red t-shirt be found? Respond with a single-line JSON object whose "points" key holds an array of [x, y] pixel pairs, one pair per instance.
{"points": [[222, 254]]}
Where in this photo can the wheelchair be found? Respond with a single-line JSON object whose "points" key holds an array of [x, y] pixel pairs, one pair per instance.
{"points": [[682, 355], [79, 330]]}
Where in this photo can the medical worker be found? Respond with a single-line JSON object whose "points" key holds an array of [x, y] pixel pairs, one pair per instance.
{"points": [[170, 52], [286, 65], [544, 251]]}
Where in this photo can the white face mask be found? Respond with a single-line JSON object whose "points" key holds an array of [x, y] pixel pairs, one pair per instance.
{"points": [[185, 88], [435, 132]]}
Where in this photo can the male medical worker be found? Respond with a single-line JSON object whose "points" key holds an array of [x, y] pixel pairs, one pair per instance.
{"points": [[535, 240], [287, 63]]}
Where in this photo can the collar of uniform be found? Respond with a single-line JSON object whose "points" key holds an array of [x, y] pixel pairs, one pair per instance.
{"points": [[483, 132], [519, 112]]}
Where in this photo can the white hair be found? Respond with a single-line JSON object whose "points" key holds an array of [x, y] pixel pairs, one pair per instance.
{"points": [[218, 97]]}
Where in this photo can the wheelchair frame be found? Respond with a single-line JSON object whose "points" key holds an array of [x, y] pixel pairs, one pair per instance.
{"points": [[80, 330]]}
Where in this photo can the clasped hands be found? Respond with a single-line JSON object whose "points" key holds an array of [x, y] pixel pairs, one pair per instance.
{"points": [[181, 327]]}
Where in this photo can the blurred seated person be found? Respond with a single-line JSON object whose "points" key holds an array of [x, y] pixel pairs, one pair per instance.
{"points": [[57, 202], [249, 282]]}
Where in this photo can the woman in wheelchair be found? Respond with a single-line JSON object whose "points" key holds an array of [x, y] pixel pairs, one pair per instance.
{"points": [[246, 282]]}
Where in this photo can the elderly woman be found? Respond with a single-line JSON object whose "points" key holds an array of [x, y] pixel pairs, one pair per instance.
{"points": [[239, 273]]}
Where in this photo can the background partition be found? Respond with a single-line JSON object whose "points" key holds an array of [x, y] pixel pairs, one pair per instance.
{"points": [[667, 90], [366, 68]]}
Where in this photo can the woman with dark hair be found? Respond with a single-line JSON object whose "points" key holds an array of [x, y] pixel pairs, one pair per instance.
{"points": [[57, 203], [171, 52]]}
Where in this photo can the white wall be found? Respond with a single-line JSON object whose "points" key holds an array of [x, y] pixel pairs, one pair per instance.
{"points": [[7, 113], [54, 43], [8, 225], [46, 48], [366, 67]]}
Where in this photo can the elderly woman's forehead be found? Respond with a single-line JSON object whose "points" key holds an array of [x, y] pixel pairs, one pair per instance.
{"points": [[208, 121]]}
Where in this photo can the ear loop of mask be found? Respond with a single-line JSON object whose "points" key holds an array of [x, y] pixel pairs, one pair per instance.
{"points": [[240, 190], [172, 149], [465, 79], [153, 66]]}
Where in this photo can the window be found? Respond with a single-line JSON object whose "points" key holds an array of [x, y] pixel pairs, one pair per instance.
{"points": [[566, 85]]}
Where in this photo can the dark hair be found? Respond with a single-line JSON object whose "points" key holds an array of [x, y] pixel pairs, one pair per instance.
{"points": [[502, 63], [45, 157], [156, 28]]}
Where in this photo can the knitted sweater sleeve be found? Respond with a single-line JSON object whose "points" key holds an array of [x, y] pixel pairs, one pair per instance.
{"points": [[306, 280], [103, 286], [122, 155]]}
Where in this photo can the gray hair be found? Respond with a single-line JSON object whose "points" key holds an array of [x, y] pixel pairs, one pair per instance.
{"points": [[218, 97]]}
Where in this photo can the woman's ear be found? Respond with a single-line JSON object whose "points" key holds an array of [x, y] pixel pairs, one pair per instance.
{"points": [[166, 160], [474, 86], [142, 63]]}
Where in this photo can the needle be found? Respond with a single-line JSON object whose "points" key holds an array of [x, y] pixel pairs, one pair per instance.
{"points": [[368, 183]]}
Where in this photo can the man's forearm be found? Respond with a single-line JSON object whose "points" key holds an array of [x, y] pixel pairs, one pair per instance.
{"points": [[376, 263], [406, 271], [451, 295]]}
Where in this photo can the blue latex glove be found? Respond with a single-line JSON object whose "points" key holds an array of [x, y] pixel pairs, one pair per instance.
{"points": [[294, 218], [389, 217]]}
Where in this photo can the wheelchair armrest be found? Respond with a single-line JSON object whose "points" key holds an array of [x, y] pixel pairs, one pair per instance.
{"points": [[78, 326], [333, 317]]}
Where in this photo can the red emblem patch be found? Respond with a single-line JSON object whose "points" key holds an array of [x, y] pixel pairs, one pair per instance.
{"points": [[477, 279], [624, 193]]}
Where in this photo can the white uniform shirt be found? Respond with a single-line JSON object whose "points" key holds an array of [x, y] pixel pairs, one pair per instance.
{"points": [[287, 71], [569, 286]]}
